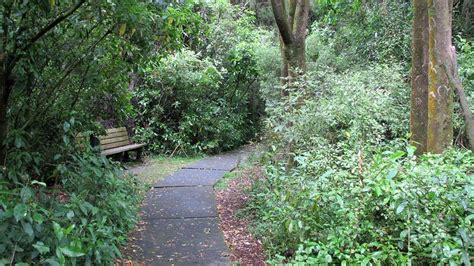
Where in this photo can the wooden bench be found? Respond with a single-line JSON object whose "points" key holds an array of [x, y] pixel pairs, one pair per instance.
{"points": [[116, 141]]}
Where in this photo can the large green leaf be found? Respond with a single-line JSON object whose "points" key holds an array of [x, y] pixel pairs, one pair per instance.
{"points": [[73, 252]]}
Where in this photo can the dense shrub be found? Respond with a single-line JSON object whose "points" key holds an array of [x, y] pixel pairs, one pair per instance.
{"points": [[82, 218], [397, 209], [353, 109], [268, 65], [206, 99], [357, 194], [184, 103]]}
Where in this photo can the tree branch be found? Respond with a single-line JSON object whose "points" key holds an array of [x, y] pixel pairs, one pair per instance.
{"points": [[281, 19], [46, 29], [69, 70], [466, 111]]}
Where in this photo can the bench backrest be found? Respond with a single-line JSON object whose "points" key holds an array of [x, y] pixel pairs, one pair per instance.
{"points": [[115, 137]]}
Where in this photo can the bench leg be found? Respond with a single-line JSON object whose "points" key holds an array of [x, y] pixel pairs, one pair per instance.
{"points": [[126, 156], [118, 157], [139, 154]]}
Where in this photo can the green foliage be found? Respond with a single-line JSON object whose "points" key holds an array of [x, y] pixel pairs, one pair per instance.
{"points": [[206, 100], [182, 103], [398, 210], [229, 26], [357, 32], [357, 194], [193, 77], [268, 65], [82, 219], [465, 54], [106, 63], [348, 110], [466, 66], [181, 27], [78, 68]]}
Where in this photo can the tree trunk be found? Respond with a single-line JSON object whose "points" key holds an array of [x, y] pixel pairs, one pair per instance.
{"points": [[465, 109], [440, 93], [284, 67], [431, 122], [419, 79], [467, 114], [292, 25], [5, 85], [466, 13]]}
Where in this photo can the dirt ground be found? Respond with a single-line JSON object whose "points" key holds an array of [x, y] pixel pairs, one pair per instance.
{"points": [[244, 247]]}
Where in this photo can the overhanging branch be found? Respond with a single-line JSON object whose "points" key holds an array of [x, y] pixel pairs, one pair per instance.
{"points": [[45, 30]]}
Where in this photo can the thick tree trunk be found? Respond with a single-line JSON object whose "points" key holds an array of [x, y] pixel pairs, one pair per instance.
{"points": [[295, 59], [299, 27], [419, 82], [440, 93], [292, 25]]}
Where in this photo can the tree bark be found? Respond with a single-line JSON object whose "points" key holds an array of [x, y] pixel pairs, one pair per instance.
{"points": [[465, 109], [419, 80], [284, 67], [300, 25], [431, 122], [440, 93], [292, 25]]}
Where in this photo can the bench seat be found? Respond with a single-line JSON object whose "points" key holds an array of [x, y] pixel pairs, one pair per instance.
{"points": [[130, 147]]}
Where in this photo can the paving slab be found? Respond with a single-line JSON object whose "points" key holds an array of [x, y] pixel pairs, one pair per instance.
{"points": [[179, 202], [197, 241], [226, 162], [192, 177], [179, 224]]}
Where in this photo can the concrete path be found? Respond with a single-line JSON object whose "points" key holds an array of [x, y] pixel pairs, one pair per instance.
{"points": [[180, 224]]}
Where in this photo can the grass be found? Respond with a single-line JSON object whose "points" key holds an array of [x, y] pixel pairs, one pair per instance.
{"points": [[249, 162], [224, 181], [156, 168]]}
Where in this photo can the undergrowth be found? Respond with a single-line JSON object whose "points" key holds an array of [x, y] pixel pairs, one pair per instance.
{"points": [[79, 215], [357, 194], [343, 185]]}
